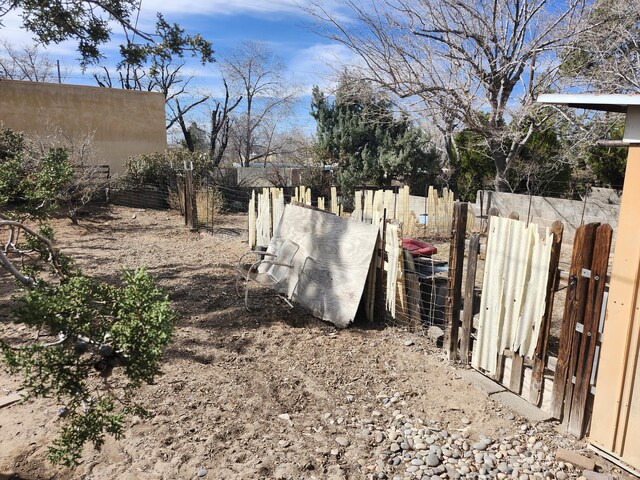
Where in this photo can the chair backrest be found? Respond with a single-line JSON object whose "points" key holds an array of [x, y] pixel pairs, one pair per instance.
{"points": [[285, 254]]}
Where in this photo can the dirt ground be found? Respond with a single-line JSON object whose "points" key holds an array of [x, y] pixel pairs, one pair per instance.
{"points": [[246, 395]]}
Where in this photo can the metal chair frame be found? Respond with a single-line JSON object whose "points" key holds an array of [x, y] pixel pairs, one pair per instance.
{"points": [[265, 271]]}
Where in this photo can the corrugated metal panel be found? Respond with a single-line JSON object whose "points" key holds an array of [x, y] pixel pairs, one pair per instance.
{"points": [[513, 291]]}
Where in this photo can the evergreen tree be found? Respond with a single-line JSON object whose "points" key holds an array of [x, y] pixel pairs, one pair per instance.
{"points": [[360, 132]]}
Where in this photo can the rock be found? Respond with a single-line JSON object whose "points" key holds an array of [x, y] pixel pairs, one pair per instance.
{"points": [[408, 343], [342, 441], [202, 472], [323, 450], [433, 460], [378, 437], [453, 474], [285, 471], [465, 420], [560, 475], [394, 447], [437, 451], [575, 458], [591, 475], [481, 446]]}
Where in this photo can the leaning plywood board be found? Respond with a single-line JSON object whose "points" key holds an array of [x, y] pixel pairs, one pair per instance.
{"points": [[331, 266], [513, 296]]}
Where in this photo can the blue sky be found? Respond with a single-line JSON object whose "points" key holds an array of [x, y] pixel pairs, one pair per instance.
{"points": [[281, 24]]}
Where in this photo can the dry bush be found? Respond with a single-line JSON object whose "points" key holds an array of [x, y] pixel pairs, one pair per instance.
{"points": [[89, 179]]}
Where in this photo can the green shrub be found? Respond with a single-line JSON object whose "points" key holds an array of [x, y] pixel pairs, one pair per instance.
{"points": [[33, 184], [105, 331]]}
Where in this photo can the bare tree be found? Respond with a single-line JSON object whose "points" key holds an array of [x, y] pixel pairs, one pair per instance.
{"points": [[476, 64], [27, 63], [90, 180], [221, 126], [605, 56], [255, 73]]}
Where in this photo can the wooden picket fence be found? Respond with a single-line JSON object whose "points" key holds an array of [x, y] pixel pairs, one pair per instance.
{"points": [[569, 381]]}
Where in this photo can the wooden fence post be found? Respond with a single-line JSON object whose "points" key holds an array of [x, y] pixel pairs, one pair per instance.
{"points": [[595, 297], [190, 210], [573, 310], [412, 285], [469, 290], [454, 287], [540, 354]]}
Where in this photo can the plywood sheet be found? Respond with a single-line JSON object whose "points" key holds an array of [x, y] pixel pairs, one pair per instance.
{"points": [[514, 289], [331, 267]]}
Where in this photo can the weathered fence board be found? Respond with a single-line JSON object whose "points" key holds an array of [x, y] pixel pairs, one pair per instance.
{"points": [[469, 294], [539, 357], [454, 287], [574, 309], [595, 295]]}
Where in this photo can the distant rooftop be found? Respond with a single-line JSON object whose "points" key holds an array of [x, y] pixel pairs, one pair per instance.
{"points": [[609, 103]]}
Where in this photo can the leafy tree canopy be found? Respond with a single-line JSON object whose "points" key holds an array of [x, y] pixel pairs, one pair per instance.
{"points": [[608, 164], [88, 23]]}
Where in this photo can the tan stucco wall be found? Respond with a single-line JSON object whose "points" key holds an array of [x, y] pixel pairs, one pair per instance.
{"points": [[123, 122]]}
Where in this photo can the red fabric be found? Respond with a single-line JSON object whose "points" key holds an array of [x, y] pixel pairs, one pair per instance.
{"points": [[418, 248]]}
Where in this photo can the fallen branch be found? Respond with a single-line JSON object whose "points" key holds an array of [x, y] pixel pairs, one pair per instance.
{"points": [[6, 262]]}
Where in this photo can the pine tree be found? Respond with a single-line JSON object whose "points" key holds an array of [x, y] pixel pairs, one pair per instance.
{"points": [[360, 131]]}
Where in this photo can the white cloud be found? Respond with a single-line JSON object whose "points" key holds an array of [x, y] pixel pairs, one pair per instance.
{"points": [[318, 64], [13, 32], [226, 7]]}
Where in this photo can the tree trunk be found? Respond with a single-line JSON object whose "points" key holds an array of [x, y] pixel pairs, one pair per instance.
{"points": [[247, 147], [188, 139], [453, 159], [499, 156]]}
